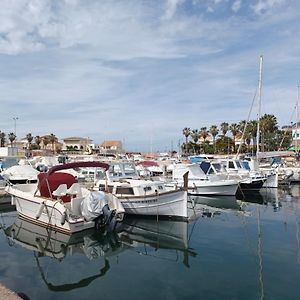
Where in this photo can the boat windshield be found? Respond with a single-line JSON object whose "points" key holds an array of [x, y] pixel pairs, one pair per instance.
{"points": [[122, 170]]}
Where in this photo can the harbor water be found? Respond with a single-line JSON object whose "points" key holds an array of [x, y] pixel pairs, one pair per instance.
{"points": [[246, 248]]}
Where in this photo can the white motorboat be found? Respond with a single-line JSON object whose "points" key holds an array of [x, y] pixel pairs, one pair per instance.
{"points": [[20, 174], [2, 185], [57, 201], [234, 169], [140, 196], [201, 184]]}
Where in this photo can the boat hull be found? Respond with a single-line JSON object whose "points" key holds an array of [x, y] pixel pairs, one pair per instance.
{"points": [[171, 204], [225, 189], [48, 213]]}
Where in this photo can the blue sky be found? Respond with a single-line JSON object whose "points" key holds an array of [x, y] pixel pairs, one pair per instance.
{"points": [[141, 71]]}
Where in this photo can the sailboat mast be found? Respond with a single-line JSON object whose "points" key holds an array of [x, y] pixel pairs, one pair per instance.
{"points": [[259, 105]]}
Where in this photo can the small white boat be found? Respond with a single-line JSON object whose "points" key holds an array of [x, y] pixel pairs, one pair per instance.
{"points": [[140, 196], [2, 185], [201, 184], [20, 174], [57, 201]]}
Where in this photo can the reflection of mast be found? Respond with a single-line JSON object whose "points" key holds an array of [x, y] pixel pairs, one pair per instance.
{"points": [[298, 242], [71, 286], [259, 253], [297, 120]]}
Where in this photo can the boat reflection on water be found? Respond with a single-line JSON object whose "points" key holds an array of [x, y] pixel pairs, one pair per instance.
{"points": [[132, 234], [208, 206], [265, 196], [157, 234]]}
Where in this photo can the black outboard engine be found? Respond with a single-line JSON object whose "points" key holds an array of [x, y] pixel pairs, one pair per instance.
{"points": [[106, 219], [94, 207]]}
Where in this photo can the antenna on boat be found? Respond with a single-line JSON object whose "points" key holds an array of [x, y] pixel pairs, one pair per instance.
{"points": [[259, 106]]}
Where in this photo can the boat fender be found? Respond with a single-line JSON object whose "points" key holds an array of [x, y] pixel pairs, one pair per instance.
{"points": [[63, 218], [39, 245], [13, 200], [41, 208]]}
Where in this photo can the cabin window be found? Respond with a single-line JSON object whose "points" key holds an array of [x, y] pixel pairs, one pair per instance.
{"points": [[246, 165], [160, 187], [129, 169], [231, 165], [147, 188], [102, 188], [238, 164], [125, 190], [211, 171]]}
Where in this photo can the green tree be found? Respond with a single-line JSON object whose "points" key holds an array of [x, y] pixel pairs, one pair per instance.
{"points": [[12, 138], [268, 127], [203, 134], [2, 139], [234, 128], [52, 140], [224, 144], [195, 136], [29, 138], [214, 132], [224, 127], [38, 141], [46, 141], [186, 132]]}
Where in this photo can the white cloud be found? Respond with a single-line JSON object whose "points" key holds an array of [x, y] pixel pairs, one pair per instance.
{"points": [[236, 5], [171, 7], [265, 6], [114, 69]]}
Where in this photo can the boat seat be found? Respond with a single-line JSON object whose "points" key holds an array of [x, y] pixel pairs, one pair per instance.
{"points": [[60, 191], [74, 189]]}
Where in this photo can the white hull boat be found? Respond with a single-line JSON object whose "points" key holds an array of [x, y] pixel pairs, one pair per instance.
{"points": [[64, 209], [201, 184], [140, 196]]}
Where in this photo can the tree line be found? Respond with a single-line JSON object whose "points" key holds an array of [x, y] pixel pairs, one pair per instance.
{"points": [[33, 142], [271, 137]]}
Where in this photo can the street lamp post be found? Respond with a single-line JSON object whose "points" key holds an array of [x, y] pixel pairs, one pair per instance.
{"points": [[15, 124], [15, 128]]}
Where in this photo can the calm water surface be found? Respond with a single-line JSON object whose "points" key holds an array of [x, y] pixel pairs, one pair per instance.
{"points": [[230, 249]]}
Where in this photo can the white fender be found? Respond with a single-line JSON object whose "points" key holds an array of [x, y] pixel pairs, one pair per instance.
{"points": [[41, 208], [39, 245], [63, 218], [13, 200]]}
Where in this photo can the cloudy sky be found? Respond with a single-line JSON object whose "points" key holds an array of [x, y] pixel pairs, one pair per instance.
{"points": [[141, 70]]}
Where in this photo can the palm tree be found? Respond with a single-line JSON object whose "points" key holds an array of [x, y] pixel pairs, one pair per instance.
{"points": [[234, 128], [214, 132], [45, 141], [52, 140], [2, 139], [224, 127], [38, 141], [203, 134], [195, 136], [29, 138], [268, 126], [252, 131], [11, 137], [186, 132]]}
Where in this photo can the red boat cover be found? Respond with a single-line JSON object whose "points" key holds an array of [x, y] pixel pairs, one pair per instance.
{"points": [[148, 163], [52, 181]]}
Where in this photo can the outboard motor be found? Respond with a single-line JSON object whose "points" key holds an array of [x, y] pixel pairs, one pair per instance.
{"points": [[107, 218], [94, 207]]}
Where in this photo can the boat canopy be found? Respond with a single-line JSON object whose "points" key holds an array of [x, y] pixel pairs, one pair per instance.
{"points": [[79, 164]]}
